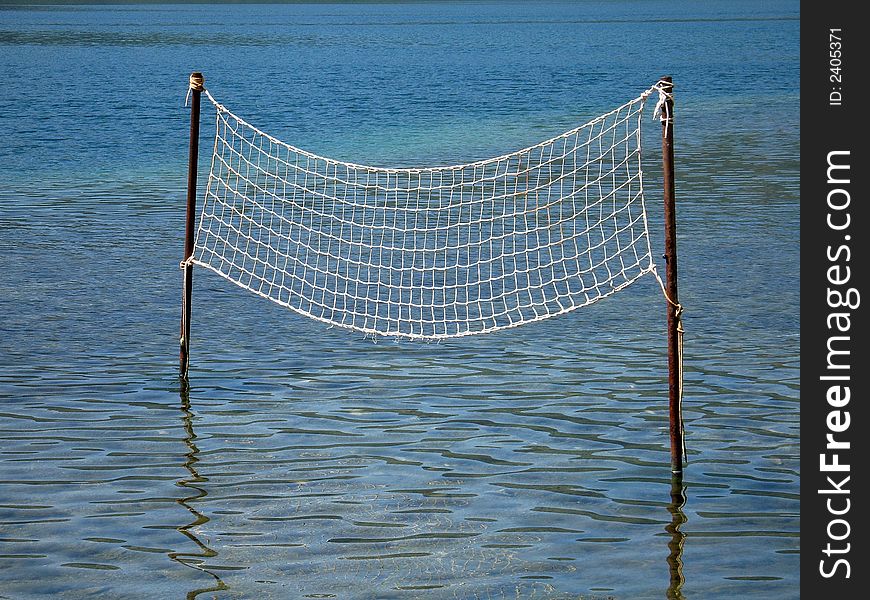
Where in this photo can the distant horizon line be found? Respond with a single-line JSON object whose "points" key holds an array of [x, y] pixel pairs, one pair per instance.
{"points": [[123, 2]]}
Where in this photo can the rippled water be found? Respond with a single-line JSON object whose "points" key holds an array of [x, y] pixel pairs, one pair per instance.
{"points": [[307, 462]]}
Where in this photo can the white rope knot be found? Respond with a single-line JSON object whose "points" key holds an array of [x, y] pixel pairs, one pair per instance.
{"points": [[661, 110], [197, 82]]}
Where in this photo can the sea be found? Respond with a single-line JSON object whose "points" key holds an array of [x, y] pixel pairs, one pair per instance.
{"points": [[303, 461]]}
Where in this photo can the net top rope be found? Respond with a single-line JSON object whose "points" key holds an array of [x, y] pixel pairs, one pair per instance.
{"points": [[430, 252]]}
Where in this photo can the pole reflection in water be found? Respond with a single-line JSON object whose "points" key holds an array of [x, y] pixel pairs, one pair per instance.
{"points": [[678, 517], [194, 560]]}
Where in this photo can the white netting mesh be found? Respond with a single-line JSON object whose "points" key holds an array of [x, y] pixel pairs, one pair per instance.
{"points": [[429, 252]]}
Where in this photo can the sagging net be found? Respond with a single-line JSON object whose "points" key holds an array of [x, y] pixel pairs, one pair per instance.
{"points": [[429, 252]]}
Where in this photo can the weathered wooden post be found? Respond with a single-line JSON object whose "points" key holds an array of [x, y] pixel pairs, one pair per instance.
{"points": [[196, 87]]}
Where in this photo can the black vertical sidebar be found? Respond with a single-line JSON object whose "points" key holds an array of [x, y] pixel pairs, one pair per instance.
{"points": [[834, 264]]}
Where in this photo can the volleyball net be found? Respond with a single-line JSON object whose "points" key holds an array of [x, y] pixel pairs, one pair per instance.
{"points": [[430, 252]]}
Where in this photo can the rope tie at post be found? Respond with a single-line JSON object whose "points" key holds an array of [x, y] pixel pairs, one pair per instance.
{"points": [[197, 84], [662, 110]]}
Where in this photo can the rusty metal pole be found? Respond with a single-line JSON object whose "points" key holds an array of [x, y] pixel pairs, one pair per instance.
{"points": [[196, 86], [674, 327]]}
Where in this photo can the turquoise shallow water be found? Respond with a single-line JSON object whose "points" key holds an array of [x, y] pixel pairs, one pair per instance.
{"points": [[311, 462]]}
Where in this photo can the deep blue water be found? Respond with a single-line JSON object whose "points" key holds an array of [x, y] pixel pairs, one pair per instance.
{"points": [[313, 462]]}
